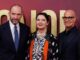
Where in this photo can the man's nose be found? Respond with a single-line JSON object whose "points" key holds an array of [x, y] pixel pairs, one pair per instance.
{"points": [[15, 16]]}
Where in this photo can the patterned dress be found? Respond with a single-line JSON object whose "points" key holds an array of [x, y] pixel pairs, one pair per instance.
{"points": [[44, 48]]}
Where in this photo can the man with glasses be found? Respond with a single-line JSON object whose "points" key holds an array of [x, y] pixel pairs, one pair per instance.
{"points": [[70, 38]]}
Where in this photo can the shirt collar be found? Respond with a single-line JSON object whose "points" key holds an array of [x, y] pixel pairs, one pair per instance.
{"points": [[12, 25]]}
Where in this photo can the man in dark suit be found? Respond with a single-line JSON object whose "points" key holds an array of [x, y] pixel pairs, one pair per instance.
{"points": [[70, 38], [13, 36]]}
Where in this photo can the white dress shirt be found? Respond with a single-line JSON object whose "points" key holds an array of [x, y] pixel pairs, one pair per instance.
{"points": [[12, 29]]}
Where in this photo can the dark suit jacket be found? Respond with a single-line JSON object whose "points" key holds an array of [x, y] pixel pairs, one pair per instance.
{"points": [[70, 45], [7, 47]]}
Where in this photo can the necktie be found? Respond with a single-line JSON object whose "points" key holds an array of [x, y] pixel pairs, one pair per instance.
{"points": [[16, 37]]}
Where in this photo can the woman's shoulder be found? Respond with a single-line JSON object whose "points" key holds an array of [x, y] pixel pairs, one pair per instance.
{"points": [[51, 39], [50, 36], [32, 35]]}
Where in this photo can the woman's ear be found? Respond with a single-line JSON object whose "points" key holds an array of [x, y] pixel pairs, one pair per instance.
{"points": [[47, 23]]}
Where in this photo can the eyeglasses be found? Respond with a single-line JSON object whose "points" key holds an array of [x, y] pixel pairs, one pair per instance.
{"points": [[69, 18]]}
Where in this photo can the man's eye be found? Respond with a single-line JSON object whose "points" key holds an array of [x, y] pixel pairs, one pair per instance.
{"points": [[13, 13]]}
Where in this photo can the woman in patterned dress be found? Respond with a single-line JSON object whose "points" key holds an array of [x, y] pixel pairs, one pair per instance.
{"points": [[42, 44]]}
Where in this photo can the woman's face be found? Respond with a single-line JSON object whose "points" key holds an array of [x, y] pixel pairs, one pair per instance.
{"points": [[41, 22]]}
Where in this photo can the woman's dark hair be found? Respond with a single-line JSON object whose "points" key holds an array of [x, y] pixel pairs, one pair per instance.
{"points": [[44, 14]]}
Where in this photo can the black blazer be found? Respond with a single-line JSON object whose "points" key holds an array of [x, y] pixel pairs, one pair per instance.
{"points": [[7, 47], [69, 45]]}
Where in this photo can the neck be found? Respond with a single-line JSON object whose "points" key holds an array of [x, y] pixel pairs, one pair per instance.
{"points": [[67, 29], [42, 31]]}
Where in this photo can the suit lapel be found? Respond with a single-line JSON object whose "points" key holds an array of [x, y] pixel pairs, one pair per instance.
{"points": [[8, 30], [21, 37]]}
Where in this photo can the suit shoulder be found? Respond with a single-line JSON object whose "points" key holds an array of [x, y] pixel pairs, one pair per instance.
{"points": [[4, 25], [62, 33], [25, 28], [23, 25]]}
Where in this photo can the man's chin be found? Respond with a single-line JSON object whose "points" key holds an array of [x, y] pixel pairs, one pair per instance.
{"points": [[68, 27], [14, 23]]}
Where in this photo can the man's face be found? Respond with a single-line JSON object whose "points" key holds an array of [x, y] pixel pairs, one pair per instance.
{"points": [[15, 14], [69, 19]]}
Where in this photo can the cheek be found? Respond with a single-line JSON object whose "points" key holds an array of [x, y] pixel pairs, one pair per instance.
{"points": [[68, 23], [45, 24], [37, 23], [19, 16], [12, 17]]}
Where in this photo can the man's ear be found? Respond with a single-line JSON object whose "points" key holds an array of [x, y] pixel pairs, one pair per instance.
{"points": [[9, 13]]}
